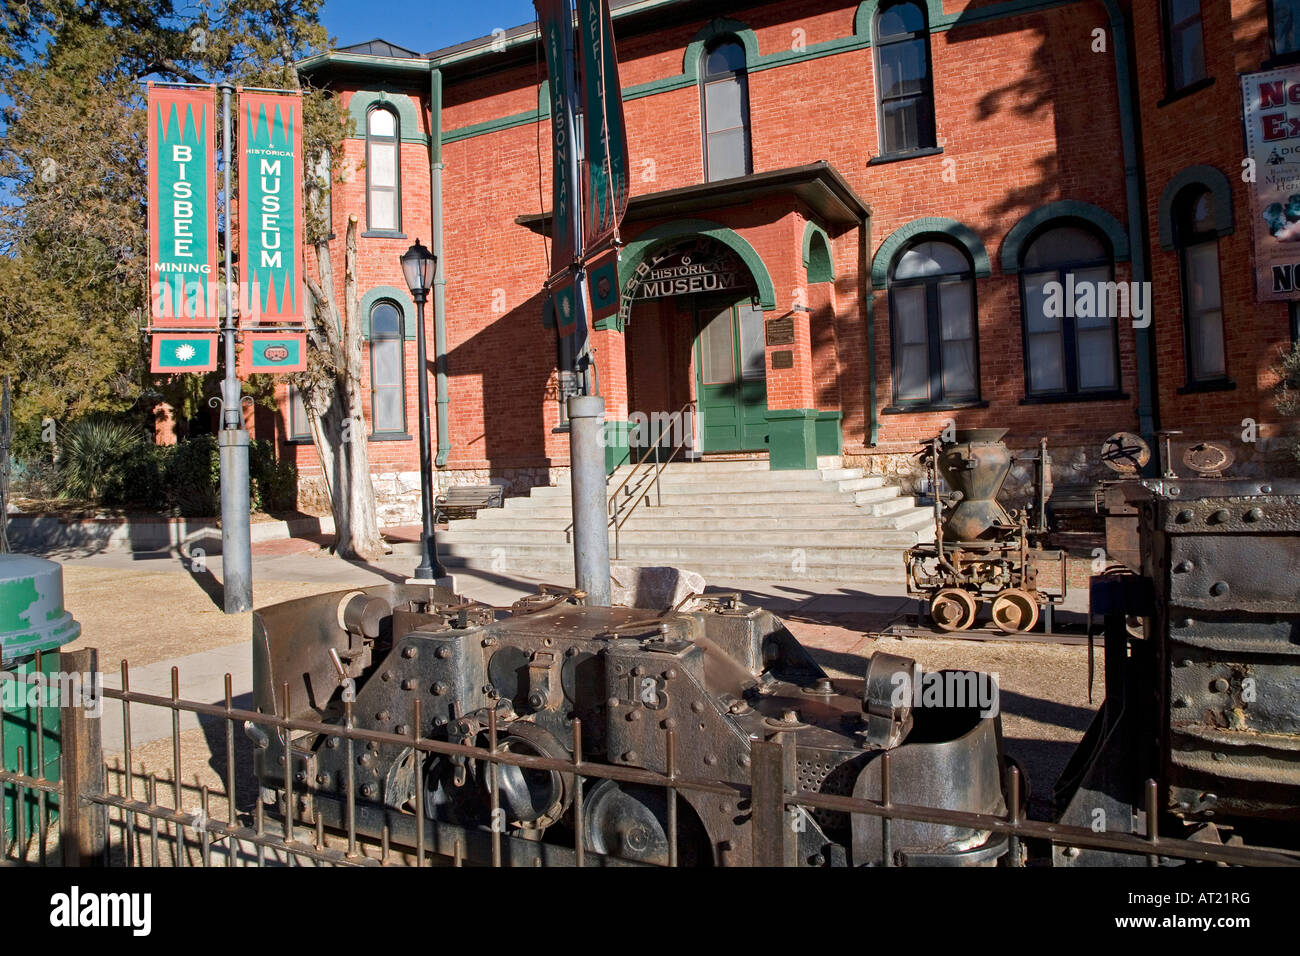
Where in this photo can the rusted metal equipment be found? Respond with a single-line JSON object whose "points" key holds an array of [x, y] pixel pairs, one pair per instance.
{"points": [[982, 552], [1202, 669], [549, 686]]}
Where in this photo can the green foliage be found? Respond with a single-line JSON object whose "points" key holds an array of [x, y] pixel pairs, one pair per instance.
{"points": [[95, 455], [1286, 393]]}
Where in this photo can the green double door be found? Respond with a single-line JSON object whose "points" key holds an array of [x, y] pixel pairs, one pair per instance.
{"points": [[730, 377]]}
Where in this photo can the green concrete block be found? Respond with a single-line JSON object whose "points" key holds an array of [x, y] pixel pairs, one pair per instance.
{"points": [[616, 445], [793, 443], [830, 438]]}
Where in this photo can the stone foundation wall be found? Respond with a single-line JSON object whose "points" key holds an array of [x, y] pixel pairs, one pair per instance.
{"points": [[397, 493]]}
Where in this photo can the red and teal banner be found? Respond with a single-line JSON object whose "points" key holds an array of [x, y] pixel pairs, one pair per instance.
{"points": [[180, 352], [182, 207], [265, 352], [270, 209], [602, 285], [555, 18], [606, 182]]}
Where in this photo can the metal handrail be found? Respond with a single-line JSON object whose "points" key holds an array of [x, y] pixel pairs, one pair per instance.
{"points": [[614, 502]]}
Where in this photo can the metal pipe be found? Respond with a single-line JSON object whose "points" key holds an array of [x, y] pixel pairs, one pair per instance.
{"points": [[436, 167], [590, 510], [236, 548], [430, 568]]}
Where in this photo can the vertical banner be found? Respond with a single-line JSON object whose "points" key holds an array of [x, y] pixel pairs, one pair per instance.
{"points": [[270, 209], [602, 281], [1271, 111], [606, 183], [182, 207], [554, 18]]}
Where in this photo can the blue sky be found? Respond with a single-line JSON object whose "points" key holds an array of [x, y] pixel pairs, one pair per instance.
{"points": [[422, 25]]}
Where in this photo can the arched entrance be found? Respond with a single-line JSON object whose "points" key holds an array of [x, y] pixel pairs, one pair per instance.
{"points": [[694, 330]]}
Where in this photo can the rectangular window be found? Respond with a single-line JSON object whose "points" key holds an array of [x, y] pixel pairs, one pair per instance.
{"points": [[388, 395], [299, 427], [1045, 338], [913, 346], [726, 136], [1204, 312], [383, 171], [957, 326], [753, 356], [717, 350], [1284, 17], [1186, 47]]}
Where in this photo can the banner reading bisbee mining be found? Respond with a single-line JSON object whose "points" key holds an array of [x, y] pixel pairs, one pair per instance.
{"points": [[182, 207], [270, 209]]}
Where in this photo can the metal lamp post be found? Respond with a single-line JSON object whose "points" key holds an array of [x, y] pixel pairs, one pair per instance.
{"points": [[419, 266]]}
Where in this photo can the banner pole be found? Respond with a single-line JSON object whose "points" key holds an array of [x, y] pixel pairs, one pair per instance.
{"points": [[236, 549]]}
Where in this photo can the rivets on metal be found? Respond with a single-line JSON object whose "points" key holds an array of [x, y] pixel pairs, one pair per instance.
{"points": [[369, 790], [638, 671], [697, 706], [382, 716], [744, 761], [1219, 588], [1220, 516], [443, 652], [441, 687], [670, 674], [1218, 685], [1183, 567], [612, 703], [669, 723], [631, 756], [386, 675], [1183, 702], [634, 715], [408, 652], [1220, 756], [1254, 514], [710, 759], [489, 641], [332, 743], [1184, 516], [401, 730], [408, 684]]}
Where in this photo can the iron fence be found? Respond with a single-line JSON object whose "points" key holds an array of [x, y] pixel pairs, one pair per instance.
{"points": [[110, 813]]}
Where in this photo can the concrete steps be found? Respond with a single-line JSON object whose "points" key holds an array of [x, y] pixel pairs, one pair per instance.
{"points": [[728, 520]]}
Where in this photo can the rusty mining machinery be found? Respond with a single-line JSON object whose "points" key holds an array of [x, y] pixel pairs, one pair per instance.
{"points": [[554, 679], [982, 552]]}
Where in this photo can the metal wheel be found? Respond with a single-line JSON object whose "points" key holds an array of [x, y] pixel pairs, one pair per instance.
{"points": [[629, 821], [1014, 610], [953, 609]]}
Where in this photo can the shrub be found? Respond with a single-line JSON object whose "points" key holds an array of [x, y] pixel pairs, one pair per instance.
{"points": [[94, 454], [193, 477]]}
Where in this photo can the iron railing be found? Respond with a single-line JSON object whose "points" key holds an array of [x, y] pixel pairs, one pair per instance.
{"points": [[118, 815]]}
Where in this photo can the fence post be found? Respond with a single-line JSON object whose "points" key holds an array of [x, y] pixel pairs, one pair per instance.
{"points": [[83, 824], [771, 771]]}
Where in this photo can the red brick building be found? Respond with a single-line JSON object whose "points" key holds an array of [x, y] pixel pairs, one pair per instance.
{"points": [[886, 191]]}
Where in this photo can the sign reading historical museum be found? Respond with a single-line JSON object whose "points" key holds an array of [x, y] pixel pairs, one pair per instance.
{"points": [[182, 207], [702, 266], [1271, 110], [270, 209]]}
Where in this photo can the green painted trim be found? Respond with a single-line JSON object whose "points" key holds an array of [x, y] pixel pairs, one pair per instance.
{"points": [[408, 121], [825, 272], [718, 27], [639, 249], [792, 439], [1064, 209], [935, 18], [961, 234], [403, 300], [1213, 180]]}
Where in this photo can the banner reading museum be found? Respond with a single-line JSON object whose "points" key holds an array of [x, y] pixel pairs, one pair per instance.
{"points": [[1271, 110], [270, 209], [182, 207]]}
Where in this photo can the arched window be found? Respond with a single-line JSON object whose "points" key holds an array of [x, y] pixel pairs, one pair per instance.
{"points": [[383, 192], [932, 313], [387, 371], [904, 91], [724, 92], [1197, 241], [1066, 293]]}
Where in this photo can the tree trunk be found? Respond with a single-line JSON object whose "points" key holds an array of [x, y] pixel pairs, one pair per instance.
{"points": [[334, 409]]}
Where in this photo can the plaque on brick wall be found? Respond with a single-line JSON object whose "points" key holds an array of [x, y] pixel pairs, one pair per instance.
{"points": [[783, 359], [780, 331]]}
